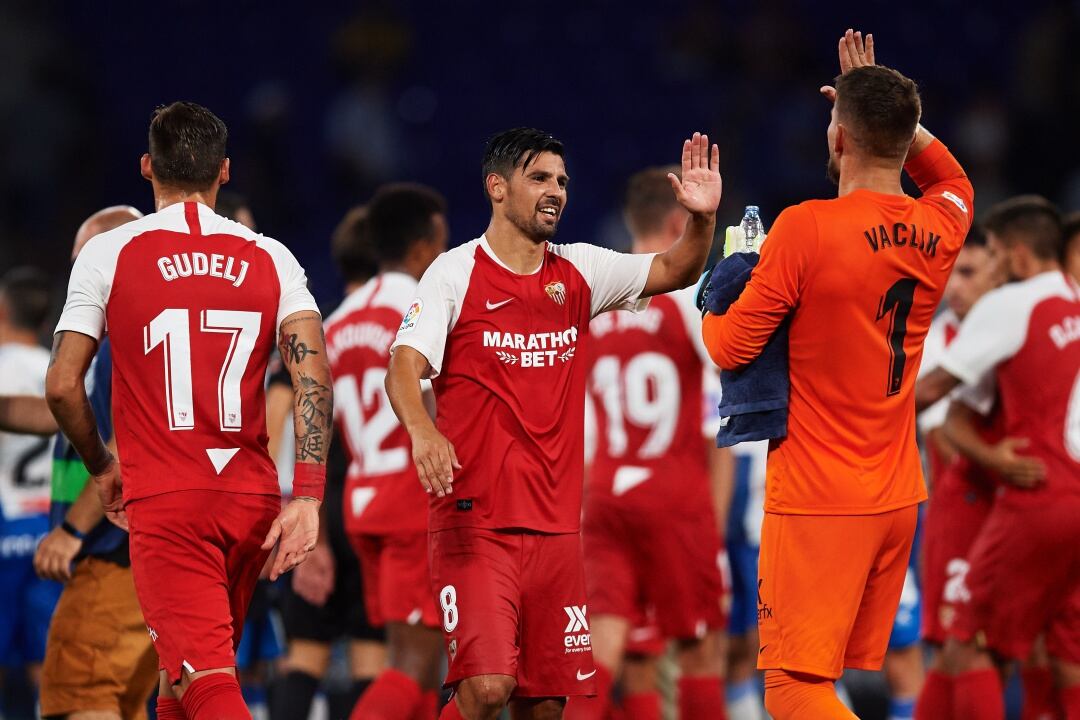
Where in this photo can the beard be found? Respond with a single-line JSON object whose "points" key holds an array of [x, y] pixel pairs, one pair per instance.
{"points": [[533, 228], [832, 170]]}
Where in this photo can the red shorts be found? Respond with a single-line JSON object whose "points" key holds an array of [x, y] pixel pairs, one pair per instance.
{"points": [[513, 603], [1024, 581], [195, 558], [671, 565], [953, 520], [397, 586]]}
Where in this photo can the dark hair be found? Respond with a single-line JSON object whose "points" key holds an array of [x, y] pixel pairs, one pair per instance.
{"points": [[187, 145], [399, 215], [649, 198], [350, 247], [976, 237], [881, 108], [519, 146], [1070, 226], [28, 294], [1030, 219], [230, 203]]}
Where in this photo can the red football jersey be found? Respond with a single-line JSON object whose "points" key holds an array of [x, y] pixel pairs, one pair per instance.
{"points": [[382, 492], [1028, 334], [192, 303], [509, 382], [646, 391]]}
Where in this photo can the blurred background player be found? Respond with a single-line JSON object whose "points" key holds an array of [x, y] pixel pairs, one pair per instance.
{"points": [[650, 532], [26, 602], [845, 483], [1070, 229], [385, 507], [323, 601], [1022, 578], [98, 607], [497, 323], [208, 314]]}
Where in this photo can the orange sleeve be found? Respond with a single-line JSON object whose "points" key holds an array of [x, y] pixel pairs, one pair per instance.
{"points": [[736, 338], [944, 184]]}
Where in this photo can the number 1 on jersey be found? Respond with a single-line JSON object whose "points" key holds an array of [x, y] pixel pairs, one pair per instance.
{"points": [[896, 303], [171, 330]]}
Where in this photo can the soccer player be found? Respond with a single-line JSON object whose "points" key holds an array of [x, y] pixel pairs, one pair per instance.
{"points": [[325, 600], [498, 323], [385, 508], [27, 602], [1022, 580], [193, 303], [860, 278], [650, 536]]}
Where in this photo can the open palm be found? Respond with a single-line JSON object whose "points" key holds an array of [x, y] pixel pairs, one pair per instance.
{"points": [[700, 187]]}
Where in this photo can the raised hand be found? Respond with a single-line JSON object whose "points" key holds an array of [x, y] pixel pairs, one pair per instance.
{"points": [[700, 188], [854, 53]]}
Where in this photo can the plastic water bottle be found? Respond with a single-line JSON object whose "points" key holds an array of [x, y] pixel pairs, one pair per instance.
{"points": [[752, 228]]}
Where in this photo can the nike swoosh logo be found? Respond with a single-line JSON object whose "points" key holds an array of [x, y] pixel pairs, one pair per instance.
{"points": [[585, 677], [496, 306]]}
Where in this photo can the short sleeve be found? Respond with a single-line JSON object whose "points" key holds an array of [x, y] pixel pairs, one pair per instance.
{"points": [[295, 296], [933, 351], [616, 280], [979, 397], [992, 332], [88, 289], [429, 319]]}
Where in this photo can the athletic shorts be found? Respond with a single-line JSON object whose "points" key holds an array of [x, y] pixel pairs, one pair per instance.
{"points": [[513, 603], [1024, 581], [26, 601], [671, 565], [644, 639], [953, 521], [828, 589], [99, 655], [196, 556], [343, 614], [397, 585]]}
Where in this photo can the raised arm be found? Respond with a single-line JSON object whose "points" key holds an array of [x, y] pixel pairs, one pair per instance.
{"points": [[699, 192], [303, 349], [433, 454], [26, 414]]}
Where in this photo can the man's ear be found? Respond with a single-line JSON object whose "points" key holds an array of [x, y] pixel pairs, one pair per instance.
{"points": [[838, 143], [496, 187], [146, 168], [223, 173]]}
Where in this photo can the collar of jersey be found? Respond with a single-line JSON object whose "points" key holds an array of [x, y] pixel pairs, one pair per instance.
{"points": [[495, 258]]}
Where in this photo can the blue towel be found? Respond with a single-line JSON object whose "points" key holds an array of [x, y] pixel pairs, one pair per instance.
{"points": [[754, 402]]}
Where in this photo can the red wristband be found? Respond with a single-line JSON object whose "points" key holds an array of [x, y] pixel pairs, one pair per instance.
{"points": [[309, 479]]}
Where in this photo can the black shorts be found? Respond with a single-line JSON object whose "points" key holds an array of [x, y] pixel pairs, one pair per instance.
{"points": [[343, 615]]}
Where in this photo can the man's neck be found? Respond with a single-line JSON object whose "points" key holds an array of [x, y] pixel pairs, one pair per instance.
{"points": [[858, 175], [513, 248], [404, 268], [16, 336], [166, 196], [1039, 267]]}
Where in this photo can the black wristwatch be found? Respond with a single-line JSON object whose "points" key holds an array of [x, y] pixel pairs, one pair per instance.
{"points": [[72, 530]]}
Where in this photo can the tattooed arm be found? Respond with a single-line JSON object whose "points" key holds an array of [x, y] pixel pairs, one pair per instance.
{"points": [[303, 350]]}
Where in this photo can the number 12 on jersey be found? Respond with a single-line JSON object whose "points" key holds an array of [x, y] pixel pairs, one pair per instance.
{"points": [[170, 329]]}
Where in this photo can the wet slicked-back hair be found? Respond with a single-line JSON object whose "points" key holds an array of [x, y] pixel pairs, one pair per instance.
{"points": [[519, 146], [399, 215], [187, 145], [1029, 219], [649, 199], [880, 108]]}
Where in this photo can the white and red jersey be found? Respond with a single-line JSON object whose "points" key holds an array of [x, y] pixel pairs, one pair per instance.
{"points": [[941, 334], [192, 303], [382, 492], [25, 460], [1028, 335], [647, 389], [509, 381]]}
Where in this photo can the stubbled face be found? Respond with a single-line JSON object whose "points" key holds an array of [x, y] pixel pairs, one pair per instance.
{"points": [[536, 196], [977, 271], [1013, 259], [832, 170]]}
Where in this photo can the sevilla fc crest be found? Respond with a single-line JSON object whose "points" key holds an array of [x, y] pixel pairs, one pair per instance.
{"points": [[556, 291]]}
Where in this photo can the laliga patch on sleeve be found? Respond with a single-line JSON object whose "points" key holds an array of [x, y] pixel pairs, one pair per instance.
{"points": [[955, 200], [408, 323]]}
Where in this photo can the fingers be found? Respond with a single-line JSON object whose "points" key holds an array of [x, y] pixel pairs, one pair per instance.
{"points": [[695, 151], [714, 158], [676, 186], [453, 454], [686, 152], [870, 50], [860, 49], [845, 58], [829, 92], [273, 535]]}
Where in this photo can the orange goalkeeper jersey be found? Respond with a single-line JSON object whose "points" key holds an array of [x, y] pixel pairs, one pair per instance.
{"points": [[861, 277]]}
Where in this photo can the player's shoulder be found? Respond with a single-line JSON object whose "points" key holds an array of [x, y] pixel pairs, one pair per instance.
{"points": [[1025, 294], [455, 260], [111, 242], [214, 224], [579, 253]]}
